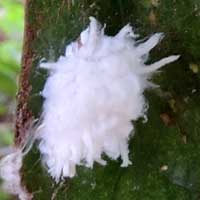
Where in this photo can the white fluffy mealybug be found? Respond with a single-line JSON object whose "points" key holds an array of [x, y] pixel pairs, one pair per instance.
{"points": [[91, 95], [11, 164], [10, 167]]}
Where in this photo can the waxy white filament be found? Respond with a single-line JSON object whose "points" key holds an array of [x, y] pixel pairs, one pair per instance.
{"points": [[91, 95]]}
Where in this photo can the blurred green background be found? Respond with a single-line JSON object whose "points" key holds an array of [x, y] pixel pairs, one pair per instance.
{"points": [[11, 34]]}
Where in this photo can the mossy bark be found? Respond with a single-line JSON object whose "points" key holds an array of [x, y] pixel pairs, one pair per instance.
{"points": [[165, 151]]}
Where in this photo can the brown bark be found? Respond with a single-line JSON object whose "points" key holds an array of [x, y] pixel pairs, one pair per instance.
{"points": [[23, 114]]}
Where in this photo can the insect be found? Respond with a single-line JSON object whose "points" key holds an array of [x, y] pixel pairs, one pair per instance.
{"points": [[91, 95]]}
